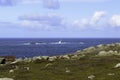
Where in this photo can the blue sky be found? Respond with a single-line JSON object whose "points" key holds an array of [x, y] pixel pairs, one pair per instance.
{"points": [[59, 18]]}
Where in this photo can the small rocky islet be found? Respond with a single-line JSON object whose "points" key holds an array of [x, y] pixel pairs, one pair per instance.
{"points": [[101, 62]]}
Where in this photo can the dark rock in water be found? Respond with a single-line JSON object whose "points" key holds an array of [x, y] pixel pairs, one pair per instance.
{"points": [[3, 61], [6, 59]]}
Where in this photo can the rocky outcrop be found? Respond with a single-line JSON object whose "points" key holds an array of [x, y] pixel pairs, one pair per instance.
{"points": [[52, 58], [91, 77], [102, 50], [6, 79], [108, 53], [117, 65]]}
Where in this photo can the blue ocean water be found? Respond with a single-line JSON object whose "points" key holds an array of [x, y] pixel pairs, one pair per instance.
{"points": [[30, 47]]}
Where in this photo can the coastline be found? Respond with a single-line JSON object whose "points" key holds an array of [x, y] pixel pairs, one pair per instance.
{"points": [[99, 50]]}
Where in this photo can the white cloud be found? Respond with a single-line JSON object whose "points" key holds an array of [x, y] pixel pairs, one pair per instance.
{"points": [[115, 21], [97, 17], [50, 4], [93, 22], [81, 23], [41, 21], [33, 25]]}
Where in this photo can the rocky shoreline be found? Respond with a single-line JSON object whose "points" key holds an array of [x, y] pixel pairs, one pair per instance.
{"points": [[98, 51]]}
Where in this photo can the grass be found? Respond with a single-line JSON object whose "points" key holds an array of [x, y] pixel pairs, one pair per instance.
{"points": [[79, 69]]}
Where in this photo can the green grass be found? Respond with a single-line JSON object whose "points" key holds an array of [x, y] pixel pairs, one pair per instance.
{"points": [[79, 69]]}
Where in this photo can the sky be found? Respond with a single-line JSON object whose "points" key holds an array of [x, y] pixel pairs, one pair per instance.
{"points": [[59, 19]]}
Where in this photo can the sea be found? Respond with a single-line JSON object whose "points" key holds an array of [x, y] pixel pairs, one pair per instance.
{"points": [[30, 47]]}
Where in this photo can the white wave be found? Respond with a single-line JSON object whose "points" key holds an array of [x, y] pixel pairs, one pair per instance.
{"points": [[37, 43], [26, 44], [34, 43], [56, 43], [60, 42]]}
